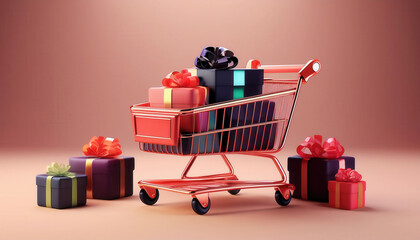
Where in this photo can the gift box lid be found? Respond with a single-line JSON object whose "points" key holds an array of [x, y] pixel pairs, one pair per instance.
{"points": [[58, 182], [230, 77], [346, 187], [101, 165]]}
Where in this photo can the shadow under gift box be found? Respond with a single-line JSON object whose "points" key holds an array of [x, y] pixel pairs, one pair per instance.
{"points": [[346, 195], [319, 172], [108, 178], [182, 98], [63, 193], [252, 138]]}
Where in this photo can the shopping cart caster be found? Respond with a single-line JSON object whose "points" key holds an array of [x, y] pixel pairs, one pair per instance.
{"points": [[146, 199], [281, 200], [234, 192], [196, 206]]}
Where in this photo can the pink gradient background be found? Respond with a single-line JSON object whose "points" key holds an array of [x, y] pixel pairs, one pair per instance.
{"points": [[71, 69]]}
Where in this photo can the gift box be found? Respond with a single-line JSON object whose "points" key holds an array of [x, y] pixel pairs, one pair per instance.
{"points": [[199, 144], [61, 192], [310, 173], [252, 138], [60, 188], [176, 94], [346, 194], [109, 176], [215, 71], [231, 83]]}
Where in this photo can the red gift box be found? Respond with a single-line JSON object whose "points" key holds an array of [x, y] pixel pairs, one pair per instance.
{"points": [[347, 193], [182, 91]]}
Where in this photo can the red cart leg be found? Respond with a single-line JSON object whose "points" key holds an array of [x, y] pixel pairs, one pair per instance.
{"points": [[229, 175]]}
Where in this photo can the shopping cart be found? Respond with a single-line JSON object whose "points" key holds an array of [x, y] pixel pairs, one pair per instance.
{"points": [[255, 125]]}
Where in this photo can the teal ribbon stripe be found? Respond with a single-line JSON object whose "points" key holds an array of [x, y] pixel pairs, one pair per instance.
{"points": [[238, 84]]}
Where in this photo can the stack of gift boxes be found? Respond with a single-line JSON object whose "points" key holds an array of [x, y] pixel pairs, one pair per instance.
{"points": [[319, 172], [101, 174], [213, 81]]}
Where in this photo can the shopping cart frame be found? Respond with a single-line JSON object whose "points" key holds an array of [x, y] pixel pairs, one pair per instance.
{"points": [[199, 187]]}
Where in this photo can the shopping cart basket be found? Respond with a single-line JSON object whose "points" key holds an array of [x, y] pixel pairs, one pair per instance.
{"points": [[255, 125]]}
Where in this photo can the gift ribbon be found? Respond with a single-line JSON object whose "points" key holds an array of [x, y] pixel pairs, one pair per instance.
{"points": [[216, 58], [238, 84], [102, 147], [314, 148], [177, 79], [359, 195], [89, 174], [48, 192], [73, 191]]}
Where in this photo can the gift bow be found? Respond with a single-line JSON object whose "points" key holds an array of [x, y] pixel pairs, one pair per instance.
{"points": [[59, 170], [102, 147], [180, 79], [314, 148], [216, 58], [348, 175]]}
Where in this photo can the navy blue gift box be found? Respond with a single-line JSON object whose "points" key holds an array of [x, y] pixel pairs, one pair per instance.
{"points": [[232, 83], [61, 192]]}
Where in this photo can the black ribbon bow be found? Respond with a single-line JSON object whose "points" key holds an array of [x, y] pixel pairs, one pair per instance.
{"points": [[216, 58]]}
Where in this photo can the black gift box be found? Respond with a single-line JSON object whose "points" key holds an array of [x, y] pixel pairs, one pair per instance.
{"points": [[61, 191], [320, 171], [232, 83], [198, 144]]}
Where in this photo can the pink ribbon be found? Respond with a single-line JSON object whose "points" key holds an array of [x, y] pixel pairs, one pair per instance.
{"points": [[348, 175], [314, 148], [180, 79]]}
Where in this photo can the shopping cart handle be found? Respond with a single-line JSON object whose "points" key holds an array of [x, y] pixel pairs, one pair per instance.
{"points": [[306, 71]]}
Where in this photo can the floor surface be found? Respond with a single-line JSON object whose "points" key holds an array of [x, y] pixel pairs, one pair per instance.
{"points": [[391, 211]]}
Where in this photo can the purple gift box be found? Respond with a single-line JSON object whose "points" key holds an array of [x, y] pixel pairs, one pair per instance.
{"points": [[107, 178]]}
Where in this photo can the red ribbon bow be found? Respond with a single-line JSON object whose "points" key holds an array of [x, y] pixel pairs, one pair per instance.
{"points": [[348, 175], [102, 147], [180, 79], [314, 148]]}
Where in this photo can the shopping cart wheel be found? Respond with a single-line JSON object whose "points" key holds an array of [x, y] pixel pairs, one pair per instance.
{"points": [[281, 200], [146, 199], [234, 191], [196, 206]]}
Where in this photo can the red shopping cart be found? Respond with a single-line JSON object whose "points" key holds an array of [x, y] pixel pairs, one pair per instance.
{"points": [[255, 125]]}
